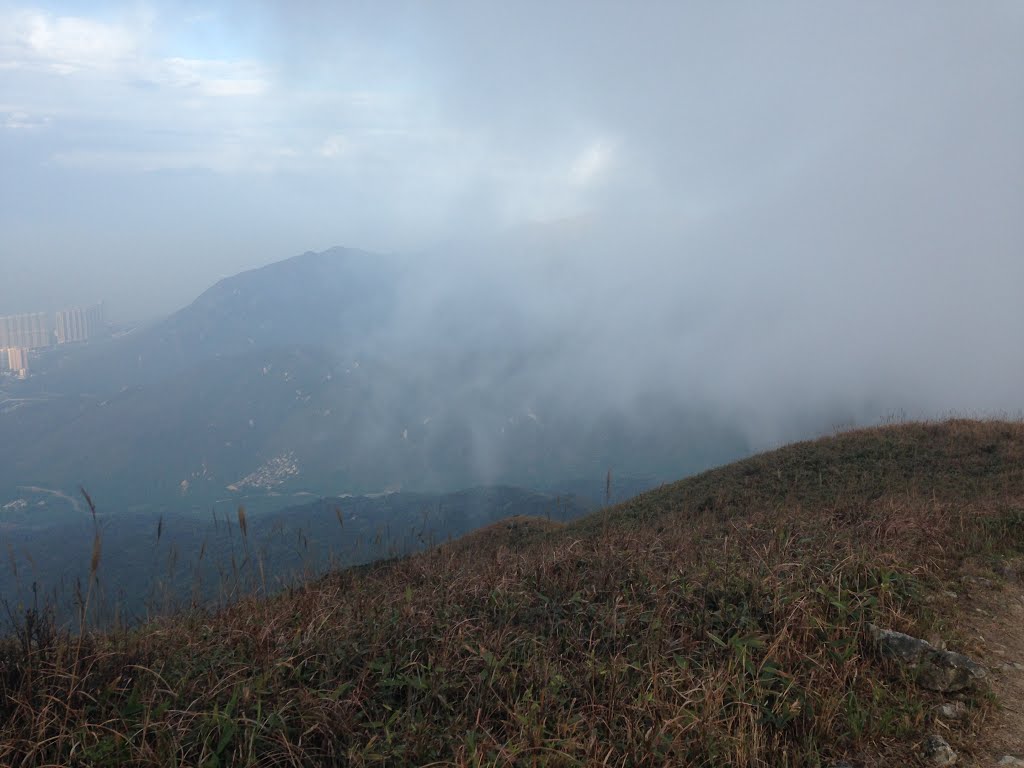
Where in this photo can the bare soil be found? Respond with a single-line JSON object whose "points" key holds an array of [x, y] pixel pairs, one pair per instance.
{"points": [[999, 635]]}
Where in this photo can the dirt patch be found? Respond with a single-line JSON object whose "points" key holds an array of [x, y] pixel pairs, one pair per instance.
{"points": [[998, 630]]}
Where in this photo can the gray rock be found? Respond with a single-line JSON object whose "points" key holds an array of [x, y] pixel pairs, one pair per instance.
{"points": [[937, 751], [948, 672], [955, 710], [896, 645], [935, 669], [1011, 760]]}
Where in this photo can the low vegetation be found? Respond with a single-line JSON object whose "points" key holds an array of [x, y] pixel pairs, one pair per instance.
{"points": [[717, 621]]}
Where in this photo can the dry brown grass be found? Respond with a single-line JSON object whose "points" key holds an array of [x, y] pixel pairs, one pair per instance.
{"points": [[717, 621], [512, 533]]}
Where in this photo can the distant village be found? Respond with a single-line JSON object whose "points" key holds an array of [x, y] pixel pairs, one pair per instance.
{"points": [[23, 336]]}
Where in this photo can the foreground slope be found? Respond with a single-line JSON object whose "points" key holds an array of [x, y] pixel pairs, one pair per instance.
{"points": [[722, 620]]}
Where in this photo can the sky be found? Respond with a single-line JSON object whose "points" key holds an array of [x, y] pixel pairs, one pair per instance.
{"points": [[840, 185]]}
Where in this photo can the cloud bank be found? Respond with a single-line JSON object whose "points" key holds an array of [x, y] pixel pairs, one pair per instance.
{"points": [[797, 205]]}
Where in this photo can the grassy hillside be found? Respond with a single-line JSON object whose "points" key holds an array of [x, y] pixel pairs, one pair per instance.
{"points": [[720, 620]]}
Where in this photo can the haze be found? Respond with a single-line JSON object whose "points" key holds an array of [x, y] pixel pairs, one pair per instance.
{"points": [[799, 208]]}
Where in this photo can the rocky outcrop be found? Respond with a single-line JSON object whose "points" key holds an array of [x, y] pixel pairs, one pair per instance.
{"points": [[934, 669]]}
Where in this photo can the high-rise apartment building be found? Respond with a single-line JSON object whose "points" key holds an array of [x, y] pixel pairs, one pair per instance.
{"points": [[79, 324], [17, 360], [31, 330]]}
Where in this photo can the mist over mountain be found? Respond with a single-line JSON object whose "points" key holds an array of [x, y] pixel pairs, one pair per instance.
{"points": [[743, 228], [341, 372]]}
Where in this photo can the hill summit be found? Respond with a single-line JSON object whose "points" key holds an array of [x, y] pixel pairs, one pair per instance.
{"points": [[732, 618]]}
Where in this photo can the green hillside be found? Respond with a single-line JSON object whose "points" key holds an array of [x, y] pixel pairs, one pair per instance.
{"points": [[721, 620]]}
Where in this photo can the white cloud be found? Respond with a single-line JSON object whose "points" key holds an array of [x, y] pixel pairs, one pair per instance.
{"points": [[539, 186], [86, 48], [224, 157], [126, 105], [135, 161], [335, 145], [22, 121], [592, 163], [63, 44], [124, 96], [211, 77]]}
